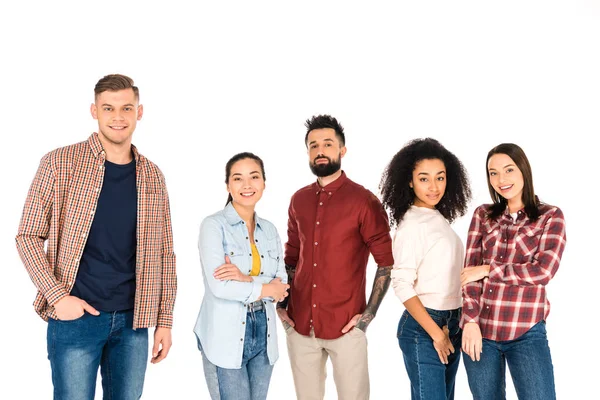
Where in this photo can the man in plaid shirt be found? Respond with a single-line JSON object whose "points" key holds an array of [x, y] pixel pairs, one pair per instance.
{"points": [[108, 273]]}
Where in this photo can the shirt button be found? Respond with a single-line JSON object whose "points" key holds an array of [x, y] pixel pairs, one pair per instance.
{"points": [[500, 256], [490, 290], [330, 193], [262, 273], [261, 256], [487, 307], [242, 339], [246, 237], [256, 240], [249, 270], [250, 254], [244, 323], [311, 321], [314, 285], [318, 222], [231, 253], [320, 203], [315, 264], [316, 243], [314, 305], [269, 335]]}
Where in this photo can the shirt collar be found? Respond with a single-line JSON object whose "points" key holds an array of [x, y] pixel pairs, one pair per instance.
{"points": [[98, 150], [333, 186], [233, 218]]}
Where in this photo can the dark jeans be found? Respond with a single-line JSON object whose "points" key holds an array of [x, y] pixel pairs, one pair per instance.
{"points": [[429, 378], [528, 358], [77, 348]]}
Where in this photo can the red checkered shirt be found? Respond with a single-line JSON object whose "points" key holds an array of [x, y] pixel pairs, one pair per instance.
{"points": [[523, 257], [60, 209]]}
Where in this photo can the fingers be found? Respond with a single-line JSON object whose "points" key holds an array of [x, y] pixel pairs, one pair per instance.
{"points": [[226, 272], [478, 350], [162, 354], [289, 321], [89, 308], [227, 260], [351, 324], [443, 357], [155, 349]]}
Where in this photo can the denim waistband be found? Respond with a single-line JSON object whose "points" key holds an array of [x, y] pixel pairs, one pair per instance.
{"points": [[448, 314], [256, 306]]}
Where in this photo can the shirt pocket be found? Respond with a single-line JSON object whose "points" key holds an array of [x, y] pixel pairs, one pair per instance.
{"points": [[238, 257], [527, 242], [490, 237], [270, 259]]}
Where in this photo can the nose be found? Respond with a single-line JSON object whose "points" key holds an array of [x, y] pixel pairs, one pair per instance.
{"points": [[433, 186]]}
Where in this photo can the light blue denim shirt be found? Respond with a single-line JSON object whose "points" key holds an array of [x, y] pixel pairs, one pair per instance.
{"points": [[221, 323]]}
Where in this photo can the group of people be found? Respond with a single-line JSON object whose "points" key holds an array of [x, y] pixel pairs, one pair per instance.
{"points": [[96, 240]]}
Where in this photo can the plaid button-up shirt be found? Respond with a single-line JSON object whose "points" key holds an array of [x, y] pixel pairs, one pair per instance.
{"points": [[523, 256], [60, 209]]}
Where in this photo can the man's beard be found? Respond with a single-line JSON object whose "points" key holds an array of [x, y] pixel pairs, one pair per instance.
{"points": [[323, 170]]}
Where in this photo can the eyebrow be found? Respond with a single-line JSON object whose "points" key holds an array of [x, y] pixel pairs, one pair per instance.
{"points": [[325, 140], [124, 105], [427, 173], [239, 173], [506, 166]]}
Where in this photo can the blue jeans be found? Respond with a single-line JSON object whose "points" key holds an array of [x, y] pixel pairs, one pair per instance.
{"points": [[528, 358], [251, 382], [77, 348], [429, 378]]}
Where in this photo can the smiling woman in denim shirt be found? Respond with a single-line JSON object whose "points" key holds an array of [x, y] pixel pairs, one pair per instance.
{"points": [[244, 274]]}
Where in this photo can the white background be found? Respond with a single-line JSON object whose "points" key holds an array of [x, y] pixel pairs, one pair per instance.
{"points": [[223, 77]]}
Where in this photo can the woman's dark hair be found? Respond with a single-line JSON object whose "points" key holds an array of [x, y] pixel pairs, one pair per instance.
{"points": [[398, 196], [239, 157], [530, 200]]}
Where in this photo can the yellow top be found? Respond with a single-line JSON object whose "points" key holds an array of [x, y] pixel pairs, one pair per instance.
{"points": [[255, 261]]}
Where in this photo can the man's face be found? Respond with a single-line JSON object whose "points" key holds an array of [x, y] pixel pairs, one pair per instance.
{"points": [[325, 152], [117, 114]]}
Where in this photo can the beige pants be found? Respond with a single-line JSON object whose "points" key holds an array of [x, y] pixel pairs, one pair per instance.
{"points": [[348, 353]]}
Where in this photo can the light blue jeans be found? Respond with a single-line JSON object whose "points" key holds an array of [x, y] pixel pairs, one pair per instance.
{"points": [[429, 378], [528, 358], [251, 382], [76, 349]]}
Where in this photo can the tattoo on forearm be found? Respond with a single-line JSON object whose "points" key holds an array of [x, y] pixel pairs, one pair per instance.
{"points": [[380, 287], [291, 271]]}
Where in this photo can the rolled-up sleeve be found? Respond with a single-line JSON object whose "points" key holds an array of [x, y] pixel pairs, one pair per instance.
{"points": [[375, 230]]}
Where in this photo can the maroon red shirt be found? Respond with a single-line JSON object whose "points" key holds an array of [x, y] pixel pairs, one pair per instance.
{"points": [[523, 256], [331, 231]]}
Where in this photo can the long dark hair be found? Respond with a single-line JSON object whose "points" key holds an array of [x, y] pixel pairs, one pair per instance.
{"points": [[239, 157], [397, 195], [530, 200]]}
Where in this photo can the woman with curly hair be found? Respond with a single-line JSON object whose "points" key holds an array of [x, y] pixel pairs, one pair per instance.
{"points": [[514, 249], [425, 187]]}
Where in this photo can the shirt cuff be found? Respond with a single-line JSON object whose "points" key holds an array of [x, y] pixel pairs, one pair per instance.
{"points": [[55, 293], [256, 291], [164, 320]]}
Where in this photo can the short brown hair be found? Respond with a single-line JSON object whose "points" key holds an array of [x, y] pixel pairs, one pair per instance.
{"points": [[114, 83]]}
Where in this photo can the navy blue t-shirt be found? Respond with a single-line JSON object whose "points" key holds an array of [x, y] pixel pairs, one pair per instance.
{"points": [[106, 276]]}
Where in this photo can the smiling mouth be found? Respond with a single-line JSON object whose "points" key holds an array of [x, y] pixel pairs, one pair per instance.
{"points": [[117, 127], [505, 187], [247, 194]]}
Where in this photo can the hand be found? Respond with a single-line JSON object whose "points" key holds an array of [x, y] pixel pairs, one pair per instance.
{"points": [[70, 307], [230, 272], [472, 341], [284, 317], [443, 345], [162, 340], [275, 290], [352, 323], [473, 274]]}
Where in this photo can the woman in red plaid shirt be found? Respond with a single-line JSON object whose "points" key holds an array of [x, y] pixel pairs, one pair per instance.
{"points": [[514, 248]]}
